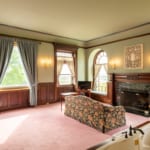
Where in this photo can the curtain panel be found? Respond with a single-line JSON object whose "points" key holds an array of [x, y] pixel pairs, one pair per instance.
{"points": [[97, 68], [28, 51], [60, 63], [72, 69], [6, 47]]}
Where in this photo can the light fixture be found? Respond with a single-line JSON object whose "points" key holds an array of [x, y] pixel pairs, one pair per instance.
{"points": [[45, 62], [114, 63]]}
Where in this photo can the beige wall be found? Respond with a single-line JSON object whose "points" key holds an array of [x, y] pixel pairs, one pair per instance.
{"points": [[116, 51], [81, 59], [46, 73], [85, 59]]}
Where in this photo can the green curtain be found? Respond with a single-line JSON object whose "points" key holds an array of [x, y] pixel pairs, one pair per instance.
{"points": [[6, 47], [28, 51]]}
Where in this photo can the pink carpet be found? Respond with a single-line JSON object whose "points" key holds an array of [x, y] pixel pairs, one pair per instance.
{"points": [[47, 128]]}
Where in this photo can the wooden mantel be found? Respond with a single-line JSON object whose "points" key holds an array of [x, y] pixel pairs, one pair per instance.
{"points": [[132, 77]]}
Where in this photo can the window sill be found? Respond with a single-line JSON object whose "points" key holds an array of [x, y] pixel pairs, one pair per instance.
{"points": [[65, 85], [13, 88], [95, 92]]}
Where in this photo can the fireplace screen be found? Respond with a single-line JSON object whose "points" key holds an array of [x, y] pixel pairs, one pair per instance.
{"points": [[134, 97]]}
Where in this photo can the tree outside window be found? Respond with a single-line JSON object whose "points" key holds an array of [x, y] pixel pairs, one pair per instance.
{"points": [[15, 74]]}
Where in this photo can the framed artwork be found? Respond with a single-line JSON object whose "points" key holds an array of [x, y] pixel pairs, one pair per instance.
{"points": [[134, 57]]}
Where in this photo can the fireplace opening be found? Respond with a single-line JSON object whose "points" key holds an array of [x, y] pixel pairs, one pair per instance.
{"points": [[134, 97], [136, 101]]}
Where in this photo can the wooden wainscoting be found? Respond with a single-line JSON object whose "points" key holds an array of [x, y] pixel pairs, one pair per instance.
{"points": [[14, 98], [46, 93], [64, 88]]}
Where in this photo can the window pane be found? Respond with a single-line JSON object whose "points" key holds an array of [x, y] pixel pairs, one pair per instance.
{"points": [[15, 75], [65, 70], [102, 58], [65, 79], [61, 54], [65, 76]]}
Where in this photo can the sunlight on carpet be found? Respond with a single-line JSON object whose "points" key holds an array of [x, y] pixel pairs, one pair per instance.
{"points": [[9, 125]]}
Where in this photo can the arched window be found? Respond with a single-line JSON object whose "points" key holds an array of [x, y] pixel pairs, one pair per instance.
{"points": [[100, 73]]}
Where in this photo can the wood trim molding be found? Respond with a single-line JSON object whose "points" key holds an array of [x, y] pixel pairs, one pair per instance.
{"points": [[132, 77], [119, 40]]}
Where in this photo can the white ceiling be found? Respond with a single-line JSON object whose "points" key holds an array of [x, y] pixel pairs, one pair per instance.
{"points": [[83, 20]]}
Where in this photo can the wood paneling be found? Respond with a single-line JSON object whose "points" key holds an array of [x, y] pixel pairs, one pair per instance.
{"points": [[14, 98], [46, 93], [133, 77], [62, 89]]}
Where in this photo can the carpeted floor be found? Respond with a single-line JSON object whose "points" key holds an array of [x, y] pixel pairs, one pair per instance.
{"points": [[47, 128]]}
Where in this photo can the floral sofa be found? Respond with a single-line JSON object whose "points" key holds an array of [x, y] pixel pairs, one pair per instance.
{"points": [[93, 113]]}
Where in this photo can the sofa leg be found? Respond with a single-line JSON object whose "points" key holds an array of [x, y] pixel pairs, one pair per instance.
{"points": [[103, 130]]}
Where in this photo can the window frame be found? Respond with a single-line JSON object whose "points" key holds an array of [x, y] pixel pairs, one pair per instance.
{"points": [[65, 49], [71, 75], [94, 63], [10, 87]]}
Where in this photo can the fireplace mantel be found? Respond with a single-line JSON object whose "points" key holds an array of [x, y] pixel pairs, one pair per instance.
{"points": [[132, 77]]}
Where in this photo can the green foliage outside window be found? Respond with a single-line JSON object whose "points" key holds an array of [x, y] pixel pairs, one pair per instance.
{"points": [[15, 75]]}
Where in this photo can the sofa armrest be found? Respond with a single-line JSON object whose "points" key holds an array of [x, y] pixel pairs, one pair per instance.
{"points": [[114, 117]]}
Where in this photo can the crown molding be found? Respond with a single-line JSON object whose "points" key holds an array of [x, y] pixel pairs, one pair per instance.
{"points": [[133, 32], [18, 32], [130, 33]]}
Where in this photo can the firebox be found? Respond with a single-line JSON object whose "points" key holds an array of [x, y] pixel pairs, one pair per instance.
{"points": [[135, 100]]}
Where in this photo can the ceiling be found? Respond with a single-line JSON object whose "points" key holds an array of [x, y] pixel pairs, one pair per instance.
{"points": [[81, 20]]}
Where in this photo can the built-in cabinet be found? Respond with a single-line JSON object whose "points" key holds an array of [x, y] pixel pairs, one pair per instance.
{"points": [[14, 98]]}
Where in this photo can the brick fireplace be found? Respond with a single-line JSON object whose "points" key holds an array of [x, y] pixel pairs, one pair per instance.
{"points": [[133, 92]]}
